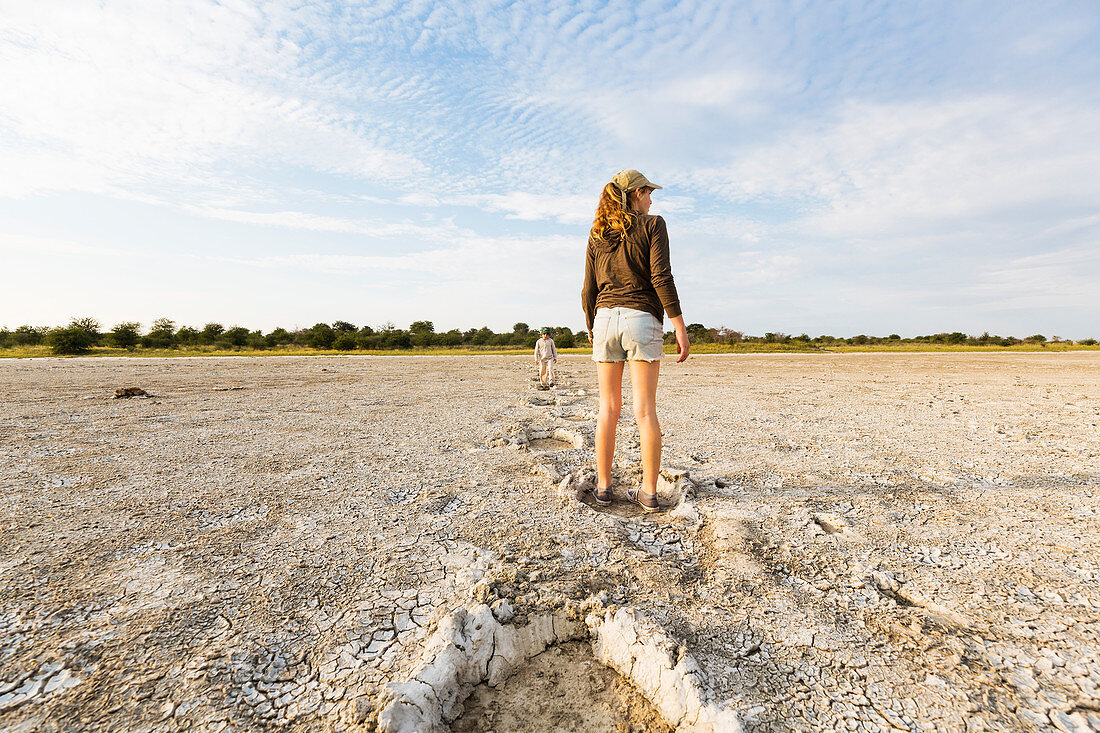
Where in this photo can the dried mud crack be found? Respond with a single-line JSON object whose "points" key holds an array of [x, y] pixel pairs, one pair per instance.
{"points": [[858, 542]]}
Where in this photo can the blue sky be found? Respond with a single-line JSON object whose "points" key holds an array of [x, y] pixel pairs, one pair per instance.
{"points": [[841, 167]]}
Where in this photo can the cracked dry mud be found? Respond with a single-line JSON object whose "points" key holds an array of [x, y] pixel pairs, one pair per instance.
{"points": [[853, 542]]}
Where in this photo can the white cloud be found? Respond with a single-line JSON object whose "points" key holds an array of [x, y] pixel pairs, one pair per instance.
{"points": [[130, 94], [374, 228], [1065, 278], [563, 208], [471, 258], [714, 89], [569, 209], [1055, 34], [21, 244], [883, 168]]}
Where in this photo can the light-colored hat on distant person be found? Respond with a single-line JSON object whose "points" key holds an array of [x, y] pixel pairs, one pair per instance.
{"points": [[631, 180]]}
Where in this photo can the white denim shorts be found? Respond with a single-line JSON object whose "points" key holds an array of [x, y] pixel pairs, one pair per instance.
{"points": [[620, 334]]}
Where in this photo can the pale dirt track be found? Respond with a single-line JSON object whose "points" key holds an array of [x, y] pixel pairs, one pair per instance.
{"points": [[882, 542]]}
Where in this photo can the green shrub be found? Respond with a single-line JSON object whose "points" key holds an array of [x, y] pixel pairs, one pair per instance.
{"points": [[422, 333], [698, 333], [367, 338], [162, 335], [321, 336], [481, 336], [211, 332], [125, 335], [345, 342], [236, 336], [278, 337], [71, 340], [187, 336], [89, 326], [397, 339], [28, 335]]}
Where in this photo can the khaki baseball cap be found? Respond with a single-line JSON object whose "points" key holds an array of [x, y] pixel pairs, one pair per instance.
{"points": [[629, 180]]}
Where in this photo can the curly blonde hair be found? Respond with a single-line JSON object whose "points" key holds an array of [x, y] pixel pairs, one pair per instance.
{"points": [[614, 212]]}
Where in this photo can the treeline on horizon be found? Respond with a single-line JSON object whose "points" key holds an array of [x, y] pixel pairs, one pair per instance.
{"points": [[84, 334]]}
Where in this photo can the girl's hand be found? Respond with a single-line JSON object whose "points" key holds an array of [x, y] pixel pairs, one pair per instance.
{"points": [[683, 346]]}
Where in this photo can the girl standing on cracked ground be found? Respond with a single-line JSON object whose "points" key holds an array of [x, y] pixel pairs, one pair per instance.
{"points": [[627, 289]]}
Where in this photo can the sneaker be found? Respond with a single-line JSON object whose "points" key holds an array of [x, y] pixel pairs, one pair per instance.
{"points": [[645, 501]]}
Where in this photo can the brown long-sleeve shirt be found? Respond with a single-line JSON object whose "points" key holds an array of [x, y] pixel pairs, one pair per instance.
{"points": [[634, 273]]}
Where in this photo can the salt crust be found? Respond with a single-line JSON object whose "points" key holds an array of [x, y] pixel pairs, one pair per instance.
{"points": [[470, 646]]}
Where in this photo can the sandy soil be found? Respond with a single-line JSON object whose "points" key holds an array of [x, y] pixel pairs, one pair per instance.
{"points": [[870, 541], [562, 689]]}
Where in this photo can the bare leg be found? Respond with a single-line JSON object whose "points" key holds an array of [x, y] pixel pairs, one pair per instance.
{"points": [[643, 381], [610, 377]]}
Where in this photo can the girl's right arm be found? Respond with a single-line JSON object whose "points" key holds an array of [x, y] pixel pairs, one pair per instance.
{"points": [[683, 346]]}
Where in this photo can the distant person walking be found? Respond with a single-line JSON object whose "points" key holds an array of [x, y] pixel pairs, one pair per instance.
{"points": [[628, 288], [546, 355]]}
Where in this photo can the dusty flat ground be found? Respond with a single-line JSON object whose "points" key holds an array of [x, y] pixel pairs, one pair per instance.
{"points": [[876, 541]]}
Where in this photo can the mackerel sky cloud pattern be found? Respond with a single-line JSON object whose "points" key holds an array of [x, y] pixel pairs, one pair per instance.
{"points": [[861, 167]]}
